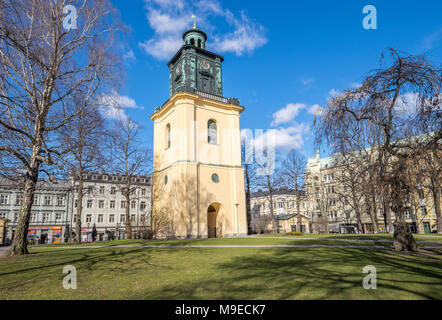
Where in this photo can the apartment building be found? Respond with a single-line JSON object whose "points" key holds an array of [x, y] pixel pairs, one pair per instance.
{"points": [[50, 215], [332, 212], [284, 208], [104, 205]]}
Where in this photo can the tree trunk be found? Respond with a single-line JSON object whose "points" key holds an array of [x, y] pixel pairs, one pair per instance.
{"points": [[128, 226], [248, 207], [79, 209], [435, 188], [298, 212], [20, 243], [403, 238]]}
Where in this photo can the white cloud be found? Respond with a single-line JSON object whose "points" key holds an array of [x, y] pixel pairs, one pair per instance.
{"points": [[246, 37], [316, 109], [287, 114], [113, 106], [129, 56], [334, 93], [283, 138], [431, 40], [407, 103], [169, 19], [307, 81]]}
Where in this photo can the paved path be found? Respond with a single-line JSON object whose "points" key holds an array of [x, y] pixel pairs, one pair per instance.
{"points": [[350, 240], [4, 251], [235, 246]]}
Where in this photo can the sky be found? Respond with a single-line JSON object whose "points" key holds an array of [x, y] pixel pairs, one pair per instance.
{"points": [[283, 59]]}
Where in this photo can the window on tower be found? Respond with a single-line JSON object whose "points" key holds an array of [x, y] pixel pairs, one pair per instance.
{"points": [[192, 41], [199, 43], [168, 135], [212, 136]]}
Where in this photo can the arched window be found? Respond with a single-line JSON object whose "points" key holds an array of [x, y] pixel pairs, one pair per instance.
{"points": [[168, 135], [199, 43], [212, 136], [192, 41]]}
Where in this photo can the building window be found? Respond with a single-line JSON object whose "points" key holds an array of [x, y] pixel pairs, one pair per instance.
{"points": [[105, 178], [143, 218], [142, 206], [112, 204], [143, 192], [18, 200], [94, 177], [58, 217], [33, 217], [168, 136], [35, 200], [111, 218], [3, 199], [100, 218], [15, 216], [101, 190], [47, 200], [59, 200], [113, 190], [424, 211], [165, 180], [88, 218], [132, 218], [123, 204], [115, 178], [212, 135], [3, 215], [101, 204], [76, 203], [45, 217], [215, 178], [122, 218], [89, 204], [133, 204]]}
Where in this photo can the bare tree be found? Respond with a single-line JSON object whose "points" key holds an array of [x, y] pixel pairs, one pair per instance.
{"points": [[84, 137], [382, 106], [250, 178], [293, 174], [269, 179], [42, 67], [130, 159]]}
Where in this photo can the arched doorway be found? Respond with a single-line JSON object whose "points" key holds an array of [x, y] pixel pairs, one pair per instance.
{"points": [[212, 215]]}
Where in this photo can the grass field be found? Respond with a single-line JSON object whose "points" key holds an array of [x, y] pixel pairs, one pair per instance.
{"points": [[112, 272]]}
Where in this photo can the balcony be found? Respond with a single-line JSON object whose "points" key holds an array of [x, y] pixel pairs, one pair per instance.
{"points": [[205, 95]]}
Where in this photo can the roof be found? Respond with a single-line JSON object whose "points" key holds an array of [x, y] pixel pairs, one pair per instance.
{"points": [[41, 184], [288, 216], [280, 191]]}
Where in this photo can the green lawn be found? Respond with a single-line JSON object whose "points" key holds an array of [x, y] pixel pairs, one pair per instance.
{"points": [[111, 272]]}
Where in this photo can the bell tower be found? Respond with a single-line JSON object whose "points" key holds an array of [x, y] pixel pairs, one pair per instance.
{"points": [[198, 180], [195, 68]]}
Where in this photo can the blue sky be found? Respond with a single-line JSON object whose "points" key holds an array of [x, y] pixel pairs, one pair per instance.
{"points": [[283, 59]]}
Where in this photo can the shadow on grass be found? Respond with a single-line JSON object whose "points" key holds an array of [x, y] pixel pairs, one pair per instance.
{"points": [[325, 274]]}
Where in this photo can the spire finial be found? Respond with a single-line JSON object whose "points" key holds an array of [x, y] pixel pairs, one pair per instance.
{"points": [[194, 21]]}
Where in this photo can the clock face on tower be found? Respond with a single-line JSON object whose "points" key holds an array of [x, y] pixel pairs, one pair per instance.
{"points": [[178, 68], [205, 64]]}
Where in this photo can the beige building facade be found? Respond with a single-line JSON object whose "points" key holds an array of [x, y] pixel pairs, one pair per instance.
{"points": [[198, 184]]}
